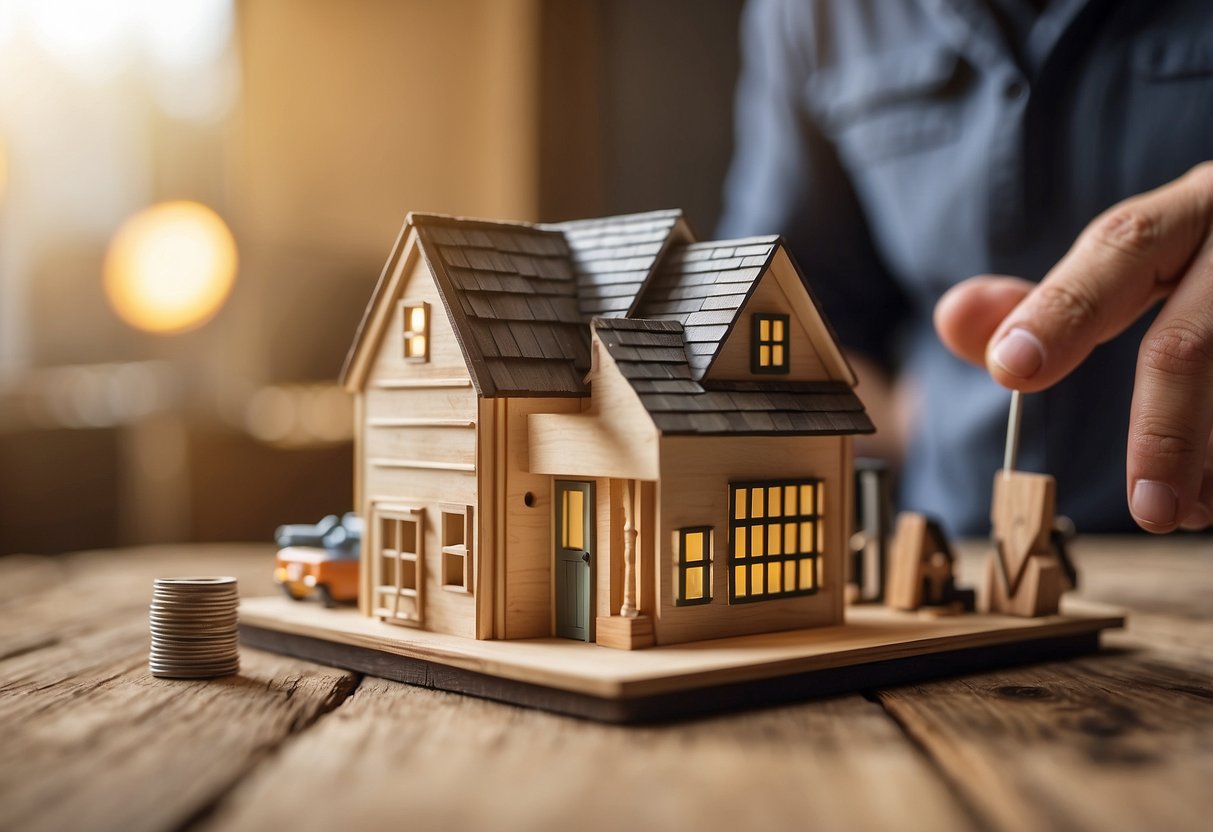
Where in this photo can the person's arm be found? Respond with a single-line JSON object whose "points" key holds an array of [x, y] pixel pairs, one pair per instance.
{"points": [[1155, 246]]}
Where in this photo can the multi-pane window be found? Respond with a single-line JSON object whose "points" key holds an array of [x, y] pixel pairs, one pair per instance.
{"points": [[457, 548], [775, 539], [694, 554], [771, 341], [416, 316], [397, 583]]}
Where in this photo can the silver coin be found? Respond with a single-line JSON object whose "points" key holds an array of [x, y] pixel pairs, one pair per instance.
{"points": [[196, 664], [200, 627], [184, 614], [191, 609], [209, 597], [193, 644], [193, 612], [171, 630], [193, 647], [201, 583], [165, 650], [189, 643], [194, 673], [193, 664]]}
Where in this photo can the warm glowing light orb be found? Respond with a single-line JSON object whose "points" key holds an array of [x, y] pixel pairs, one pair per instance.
{"points": [[170, 267]]}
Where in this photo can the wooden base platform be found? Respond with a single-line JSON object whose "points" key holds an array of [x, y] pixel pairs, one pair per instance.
{"points": [[877, 647]]}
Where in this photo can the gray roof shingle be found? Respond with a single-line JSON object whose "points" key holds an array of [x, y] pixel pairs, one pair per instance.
{"points": [[703, 287], [612, 257], [512, 297]]}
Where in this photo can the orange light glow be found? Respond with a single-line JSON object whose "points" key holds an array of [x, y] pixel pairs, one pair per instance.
{"points": [[170, 267]]}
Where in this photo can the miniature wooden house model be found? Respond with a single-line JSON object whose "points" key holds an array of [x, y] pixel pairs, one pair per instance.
{"points": [[600, 430]]}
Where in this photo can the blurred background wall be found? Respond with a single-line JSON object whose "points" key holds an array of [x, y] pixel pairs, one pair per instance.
{"points": [[282, 142]]}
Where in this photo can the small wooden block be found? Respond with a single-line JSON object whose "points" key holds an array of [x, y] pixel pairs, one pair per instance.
{"points": [[625, 633], [920, 561], [905, 559], [1040, 589], [1021, 515]]}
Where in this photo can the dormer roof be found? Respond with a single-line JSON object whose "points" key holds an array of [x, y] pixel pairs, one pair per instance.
{"points": [[652, 355]]}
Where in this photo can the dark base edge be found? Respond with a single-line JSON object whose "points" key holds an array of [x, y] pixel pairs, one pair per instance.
{"points": [[666, 707]]}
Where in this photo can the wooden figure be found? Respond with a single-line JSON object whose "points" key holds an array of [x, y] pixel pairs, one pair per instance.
{"points": [[921, 568], [1029, 569]]}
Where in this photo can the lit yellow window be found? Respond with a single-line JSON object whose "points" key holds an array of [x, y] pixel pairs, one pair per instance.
{"points": [[694, 553], [775, 547], [770, 346], [416, 318], [572, 531]]}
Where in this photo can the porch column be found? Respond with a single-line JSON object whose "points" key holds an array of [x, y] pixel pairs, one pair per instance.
{"points": [[629, 610]]}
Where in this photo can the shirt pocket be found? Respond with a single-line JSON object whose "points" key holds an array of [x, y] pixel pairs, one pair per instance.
{"points": [[888, 105]]}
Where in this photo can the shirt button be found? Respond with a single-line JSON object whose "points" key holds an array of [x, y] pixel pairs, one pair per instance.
{"points": [[1014, 90]]}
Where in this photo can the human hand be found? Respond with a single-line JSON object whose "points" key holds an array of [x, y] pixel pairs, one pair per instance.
{"points": [[1030, 336]]}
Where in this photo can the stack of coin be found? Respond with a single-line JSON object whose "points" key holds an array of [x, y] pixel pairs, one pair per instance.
{"points": [[193, 624]]}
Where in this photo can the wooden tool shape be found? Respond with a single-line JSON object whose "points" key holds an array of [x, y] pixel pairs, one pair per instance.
{"points": [[1026, 574], [1022, 516]]}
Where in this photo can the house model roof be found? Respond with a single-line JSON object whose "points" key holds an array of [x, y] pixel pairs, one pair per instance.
{"points": [[703, 286], [522, 297], [653, 357]]}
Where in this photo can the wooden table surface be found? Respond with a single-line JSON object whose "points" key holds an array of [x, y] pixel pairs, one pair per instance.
{"points": [[1118, 740]]}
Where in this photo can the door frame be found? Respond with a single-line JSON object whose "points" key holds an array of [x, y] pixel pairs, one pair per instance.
{"points": [[590, 517]]}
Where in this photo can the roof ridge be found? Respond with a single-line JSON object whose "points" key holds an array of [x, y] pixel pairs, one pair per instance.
{"points": [[636, 324], [660, 213], [761, 239], [428, 218]]}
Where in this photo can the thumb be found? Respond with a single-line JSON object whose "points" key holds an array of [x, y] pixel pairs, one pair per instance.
{"points": [[968, 314]]}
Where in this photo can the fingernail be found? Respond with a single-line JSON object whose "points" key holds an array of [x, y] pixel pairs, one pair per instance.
{"points": [[1019, 353], [1154, 503]]}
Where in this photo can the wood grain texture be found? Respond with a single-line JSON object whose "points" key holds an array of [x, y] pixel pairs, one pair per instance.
{"points": [[1121, 740], [1107, 742], [93, 741], [458, 763], [735, 356]]}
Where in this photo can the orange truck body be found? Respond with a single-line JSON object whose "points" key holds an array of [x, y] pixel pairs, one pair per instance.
{"points": [[302, 569]]}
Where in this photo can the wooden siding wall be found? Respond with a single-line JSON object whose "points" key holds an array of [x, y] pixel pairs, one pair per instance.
{"points": [[526, 563], [418, 442], [694, 491], [609, 564]]}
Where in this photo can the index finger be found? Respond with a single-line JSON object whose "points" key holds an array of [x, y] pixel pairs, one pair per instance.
{"points": [[1120, 265]]}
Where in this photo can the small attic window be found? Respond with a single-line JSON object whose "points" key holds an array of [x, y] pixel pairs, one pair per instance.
{"points": [[770, 344], [416, 317]]}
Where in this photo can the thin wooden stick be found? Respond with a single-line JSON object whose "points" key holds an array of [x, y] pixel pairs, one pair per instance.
{"points": [[1012, 449]]}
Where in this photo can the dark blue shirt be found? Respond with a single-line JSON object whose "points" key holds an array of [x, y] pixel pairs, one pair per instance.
{"points": [[903, 145]]}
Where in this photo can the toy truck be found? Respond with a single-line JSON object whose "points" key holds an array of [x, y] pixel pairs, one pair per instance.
{"points": [[320, 559]]}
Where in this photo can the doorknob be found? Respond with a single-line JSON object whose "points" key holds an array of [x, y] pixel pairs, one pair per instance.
{"points": [[585, 556]]}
